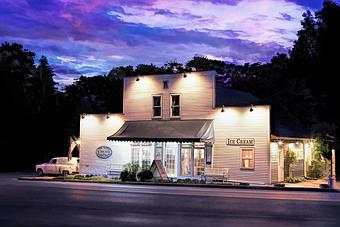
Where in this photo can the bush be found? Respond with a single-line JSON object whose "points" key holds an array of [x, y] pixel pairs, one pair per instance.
{"points": [[124, 175], [127, 175], [294, 179], [315, 170], [145, 175]]}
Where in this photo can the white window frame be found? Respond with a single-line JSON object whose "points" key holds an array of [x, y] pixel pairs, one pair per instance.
{"points": [[161, 104], [180, 108], [241, 158]]}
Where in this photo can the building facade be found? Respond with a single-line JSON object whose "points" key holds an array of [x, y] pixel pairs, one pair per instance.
{"points": [[189, 123]]}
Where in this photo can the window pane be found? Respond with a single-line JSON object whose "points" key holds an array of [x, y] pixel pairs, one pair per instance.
{"points": [[156, 101], [135, 155], [175, 100], [175, 111], [158, 153], [156, 111], [185, 161], [198, 161], [247, 158]]}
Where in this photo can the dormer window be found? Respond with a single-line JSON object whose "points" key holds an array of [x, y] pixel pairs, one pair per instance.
{"points": [[157, 106], [175, 106]]}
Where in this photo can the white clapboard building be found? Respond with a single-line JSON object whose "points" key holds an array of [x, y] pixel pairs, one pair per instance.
{"points": [[191, 124]]}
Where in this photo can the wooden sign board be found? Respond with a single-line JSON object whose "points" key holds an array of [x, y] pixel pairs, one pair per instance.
{"points": [[158, 170]]}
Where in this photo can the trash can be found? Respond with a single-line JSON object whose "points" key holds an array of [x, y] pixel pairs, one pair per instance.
{"points": [[331, 181]]}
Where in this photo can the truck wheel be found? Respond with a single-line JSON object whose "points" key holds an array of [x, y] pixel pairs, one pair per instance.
{"points": [[40, 172], [64, 173]]}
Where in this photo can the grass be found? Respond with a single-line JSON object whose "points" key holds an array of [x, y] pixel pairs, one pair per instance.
{"points": [[88, 178]]}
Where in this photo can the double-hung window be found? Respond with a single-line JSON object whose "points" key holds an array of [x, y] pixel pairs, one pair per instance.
{"points": [[175, 106], [157, 106]]}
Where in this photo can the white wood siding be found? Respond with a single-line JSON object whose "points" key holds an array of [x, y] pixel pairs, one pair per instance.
{"points": [[94, 129], [239, 122], [196, 95]]}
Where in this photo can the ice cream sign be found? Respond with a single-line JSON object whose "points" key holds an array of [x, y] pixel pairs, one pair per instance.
{"points": [[240, 141]]}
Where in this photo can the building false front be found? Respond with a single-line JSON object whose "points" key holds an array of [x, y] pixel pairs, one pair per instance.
{"points": [[189, 123]]}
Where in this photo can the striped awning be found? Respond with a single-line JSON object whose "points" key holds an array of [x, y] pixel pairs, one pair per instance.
{"points": [[166, 131]]}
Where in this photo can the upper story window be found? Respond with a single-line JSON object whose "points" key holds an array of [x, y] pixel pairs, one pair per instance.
{"points": [[175, 106], [165, 84], [157, 106]]}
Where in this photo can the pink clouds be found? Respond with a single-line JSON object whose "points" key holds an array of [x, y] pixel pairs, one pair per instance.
{"points": [[91, 36]]}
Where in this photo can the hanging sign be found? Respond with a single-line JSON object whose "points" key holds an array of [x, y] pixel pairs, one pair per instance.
{"points": [[240, 141], [103, 152]]}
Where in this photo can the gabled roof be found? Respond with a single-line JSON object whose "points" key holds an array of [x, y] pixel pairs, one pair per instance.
{"points": [[232, 97]]}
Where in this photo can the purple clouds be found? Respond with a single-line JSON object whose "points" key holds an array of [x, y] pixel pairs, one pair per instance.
{"points": [[89, 37]]}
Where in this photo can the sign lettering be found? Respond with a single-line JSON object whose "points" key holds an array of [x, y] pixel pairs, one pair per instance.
{"points": [[240, 141], [103, 152]]}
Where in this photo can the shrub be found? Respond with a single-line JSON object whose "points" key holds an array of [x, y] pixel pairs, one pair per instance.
{"points": [[124, 175], [294, 179], [145, 175], [316, 169]]}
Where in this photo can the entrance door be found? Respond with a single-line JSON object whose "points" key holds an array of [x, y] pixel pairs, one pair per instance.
{"points": [[170, 159], [198, 161]]}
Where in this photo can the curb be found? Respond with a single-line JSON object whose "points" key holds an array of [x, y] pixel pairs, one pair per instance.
{"points": [[193, 185]]}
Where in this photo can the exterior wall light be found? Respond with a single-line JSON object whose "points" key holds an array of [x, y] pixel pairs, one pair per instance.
{"points": [[78, 142], [108, 115], [83, 115], [280, 142], [222, 110], [251, 108], [185, 75], [137, 79]]}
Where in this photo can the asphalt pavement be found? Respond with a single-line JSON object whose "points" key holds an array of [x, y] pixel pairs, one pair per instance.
{"points": [[37, 203]]}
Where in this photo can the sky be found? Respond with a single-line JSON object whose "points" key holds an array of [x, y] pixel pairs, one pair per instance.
{"points": [[89, 37]]}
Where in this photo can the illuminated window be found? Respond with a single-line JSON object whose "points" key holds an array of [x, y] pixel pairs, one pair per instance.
{"points": [[157, 106], [247, 158], [159, 151], [135, 155], [175, 106]]}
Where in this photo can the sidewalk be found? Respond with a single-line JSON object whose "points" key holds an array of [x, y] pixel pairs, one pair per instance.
{"points": [[312, 184]]}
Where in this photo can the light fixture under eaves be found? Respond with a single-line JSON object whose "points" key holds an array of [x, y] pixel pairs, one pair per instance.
{"points": [[222, 110], [251, 108], [108, 115], [83, 115], [185, 75], [137, 79]]}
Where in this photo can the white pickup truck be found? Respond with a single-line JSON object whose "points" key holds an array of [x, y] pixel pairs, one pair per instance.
{"points": [[58, 165]]}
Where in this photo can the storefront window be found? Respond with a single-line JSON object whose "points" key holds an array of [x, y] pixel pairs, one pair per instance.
{"points": [[135, 155], [186, 160], [198, 161], [141, 154], [146, 156], [247, 158], [170, 160], [159, 151]]}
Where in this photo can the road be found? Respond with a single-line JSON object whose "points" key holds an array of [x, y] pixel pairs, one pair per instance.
{"points": [[32, 203]]}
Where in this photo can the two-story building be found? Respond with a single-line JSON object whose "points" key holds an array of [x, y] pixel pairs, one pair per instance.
{"points": [[189, 123]]}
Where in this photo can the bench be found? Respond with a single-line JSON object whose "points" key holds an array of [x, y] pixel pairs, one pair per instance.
{"points": [[216, 173], [114, 169]]}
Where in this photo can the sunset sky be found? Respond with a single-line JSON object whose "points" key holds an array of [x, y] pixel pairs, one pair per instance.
{"points": [[89, 37]]}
